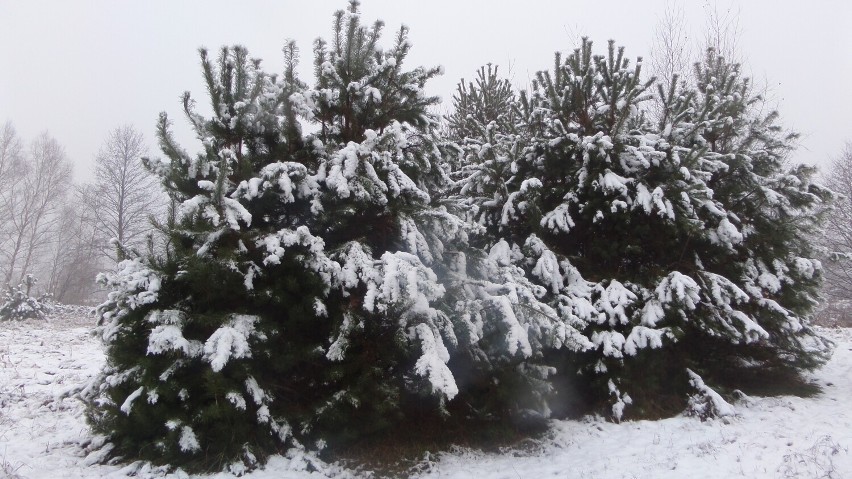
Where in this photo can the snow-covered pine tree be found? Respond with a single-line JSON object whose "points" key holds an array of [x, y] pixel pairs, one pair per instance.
{"points": [[19, 302], [476, 104], [202, 340], [619, 221], [485, 127], [381, 174], [517, 319], [311, 283], [584, 209], [757, 276]]}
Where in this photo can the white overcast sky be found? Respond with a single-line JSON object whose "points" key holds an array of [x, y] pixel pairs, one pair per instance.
{"points": [[80, 68]]}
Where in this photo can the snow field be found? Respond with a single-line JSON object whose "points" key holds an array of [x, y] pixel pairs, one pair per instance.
{"points": [[43, 434], [773, 437], [40, 434]]}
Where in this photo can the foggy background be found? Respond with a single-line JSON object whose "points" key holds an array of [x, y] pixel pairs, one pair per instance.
{"points": [[81, 68]]}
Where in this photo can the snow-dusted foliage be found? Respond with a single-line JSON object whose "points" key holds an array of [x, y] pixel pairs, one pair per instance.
{"points": [[187, 331], [19, 304], [320, 286], [315, 285], [519, 306], [675, 245], [706, 402]]}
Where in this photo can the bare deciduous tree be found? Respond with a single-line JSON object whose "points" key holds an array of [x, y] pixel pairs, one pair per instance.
{"points": [[671, 52], [11, 156], [675, 55], [32, 205], [40, 233], [11, 168], [722, 32], [124, 194], [838, 229], [75, 259]]}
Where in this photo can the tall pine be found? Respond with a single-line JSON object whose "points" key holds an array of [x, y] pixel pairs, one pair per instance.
{"points": [[203, 339], [381, 173], [488, 127]]}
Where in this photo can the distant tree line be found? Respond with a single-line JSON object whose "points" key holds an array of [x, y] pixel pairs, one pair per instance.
{"points": [[63, 233]]}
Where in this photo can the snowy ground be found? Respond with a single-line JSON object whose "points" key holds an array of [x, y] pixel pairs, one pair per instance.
{"points": [[44, 436]]}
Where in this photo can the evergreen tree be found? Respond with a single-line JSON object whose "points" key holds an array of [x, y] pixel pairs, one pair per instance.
{"points": [[317, 287], [201, 340], [485, 126], [421, 317], [506, 302], [758, 226], [314, 287], [19, 304], [475, 105], [654, 238], [381, 173]]}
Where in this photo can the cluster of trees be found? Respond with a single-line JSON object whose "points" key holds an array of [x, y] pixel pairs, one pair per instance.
{"points": [[837, 242], [59, 232], [340, 263], [33, 186]]}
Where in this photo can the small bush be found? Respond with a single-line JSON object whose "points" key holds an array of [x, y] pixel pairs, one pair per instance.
{"points": [[706, 403], [19, 305]]}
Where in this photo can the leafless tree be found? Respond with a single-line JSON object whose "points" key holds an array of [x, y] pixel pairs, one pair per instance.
{"points": [[838, 229], [124, 194], [11, 169], [41, 233], [674, 52], [722, 32], [671, 51], [11, 156], [75, 258], [32, 205]]}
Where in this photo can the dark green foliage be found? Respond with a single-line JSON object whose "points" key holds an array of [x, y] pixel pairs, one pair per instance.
{"points": [[681, 245], [189, 330], [294, 302], [477, 105], [557, 252]]}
